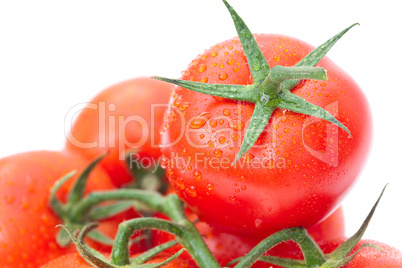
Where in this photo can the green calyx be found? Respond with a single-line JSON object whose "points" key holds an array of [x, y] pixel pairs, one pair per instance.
{"points": [[75, 220], [96, 259], [271, 86]]}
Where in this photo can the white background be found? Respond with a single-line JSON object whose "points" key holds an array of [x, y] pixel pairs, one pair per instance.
{"points": [[56, 54]]}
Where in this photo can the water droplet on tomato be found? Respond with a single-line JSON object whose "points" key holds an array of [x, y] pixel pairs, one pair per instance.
{"points": [[211, 143], [200, 120], [213, 123], [180, 183], [184, 105], [217, 152], [257, 223], [226, 112], [223, 76], [243, 187], [191, 191], [237, 125], [210, 186], [230, 61], [222, 139], [232, 198], [197, 175], [235, 137], [204, 80], [202, 68]]}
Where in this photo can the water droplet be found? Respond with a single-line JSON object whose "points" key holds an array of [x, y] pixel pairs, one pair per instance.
{"points": [[191, 191], [184, 105], [217, 152], [257, 222], [202, 136], [202, 68], [235, 136], [204, 80], [226, 112], [237, 125], [180, 183], [230, 61], [275, 126], [197, 175], [214, 53], [277, 58], [243, 187], [200, 120], [222, 139], [223, 76], [213, 123], [232, 198], [176, 102], [286, 130], [210, 186], [211, 143]]}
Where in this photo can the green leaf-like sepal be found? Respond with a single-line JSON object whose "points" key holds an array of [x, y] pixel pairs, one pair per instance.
{"points": [[289, 101], [315, 56], [257, 124], [234, 92], [258, 65]]}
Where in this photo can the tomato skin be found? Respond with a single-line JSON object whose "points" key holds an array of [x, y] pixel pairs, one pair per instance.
{"points": [[280, 182], [121, 119], [390, 257], [71, 260], [27, 224], [226, 247], [74, 260]]}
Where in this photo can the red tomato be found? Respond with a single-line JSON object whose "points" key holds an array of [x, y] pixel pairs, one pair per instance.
{"points": [[299, 169], [123, 118], [390, 257], [74, 260], [27, 224], [367, 257], [227, 247]]}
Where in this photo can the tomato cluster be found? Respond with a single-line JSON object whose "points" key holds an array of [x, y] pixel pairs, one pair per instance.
{"points": [[262, 134]]}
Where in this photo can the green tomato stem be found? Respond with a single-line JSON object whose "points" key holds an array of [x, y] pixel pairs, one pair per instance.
{"points": [[271, 86], [312, 253]]}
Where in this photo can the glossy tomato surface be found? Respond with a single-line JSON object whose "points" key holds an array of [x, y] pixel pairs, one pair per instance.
{"points": [[27, 223], [122, 119], [299, 169]]}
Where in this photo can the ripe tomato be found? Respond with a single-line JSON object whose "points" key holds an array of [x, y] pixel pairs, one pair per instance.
{"points": [[27, 224], [389, 257], [74, 260], [299, 169], [367, 257], [123, 118], [227, 247]]}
